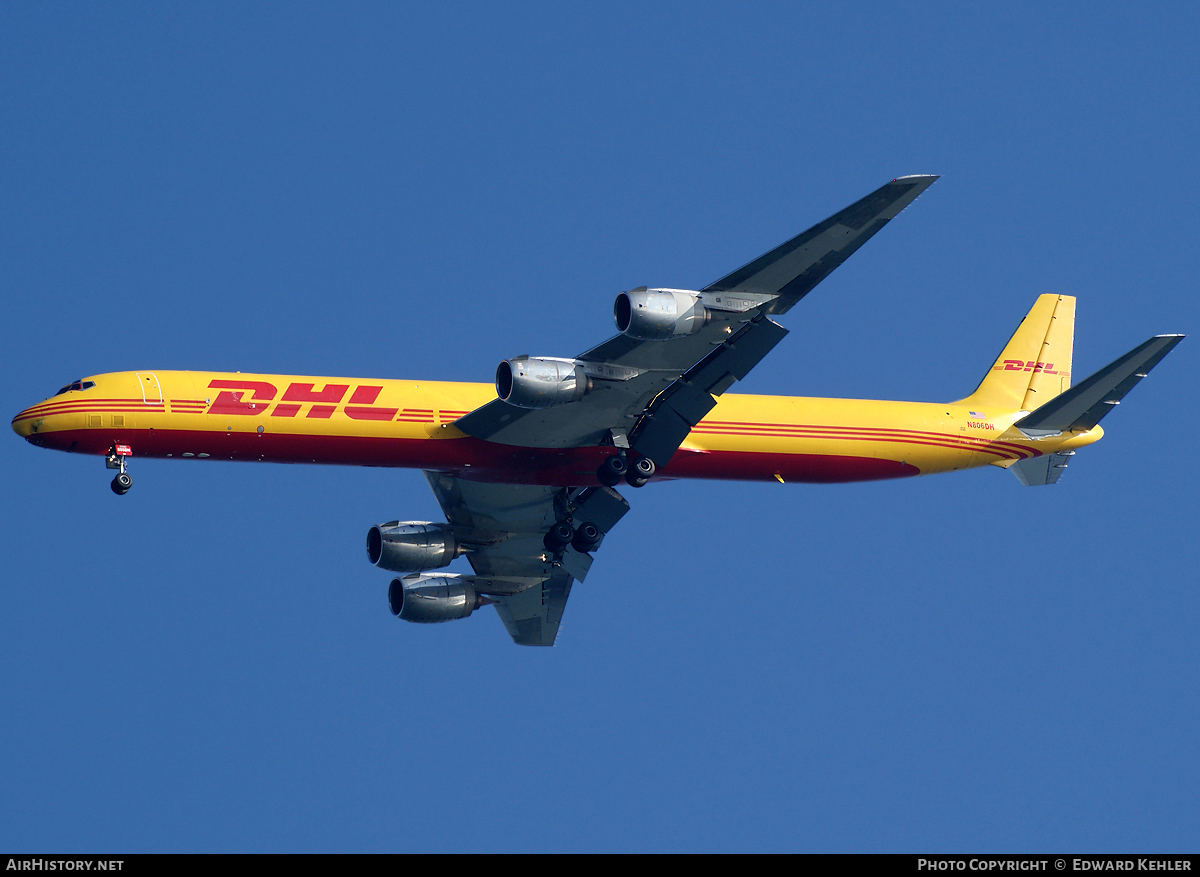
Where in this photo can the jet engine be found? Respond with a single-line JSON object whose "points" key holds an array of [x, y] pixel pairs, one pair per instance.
{"points": [[655, 314], [411, 546], [431, 599], [540, 381]]}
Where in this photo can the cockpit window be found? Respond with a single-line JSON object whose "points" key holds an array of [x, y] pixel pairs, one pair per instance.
{"points": [[76, 385]]}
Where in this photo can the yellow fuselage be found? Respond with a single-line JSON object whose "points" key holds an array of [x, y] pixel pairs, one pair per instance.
{"points": [[376, 422]]}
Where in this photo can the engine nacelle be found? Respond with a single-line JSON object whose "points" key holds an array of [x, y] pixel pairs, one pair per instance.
{"points": [[540, 381], [411, 546], [655, 314], [431, 599]]}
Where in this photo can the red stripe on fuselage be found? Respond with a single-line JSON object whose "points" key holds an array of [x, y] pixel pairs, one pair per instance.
{"points": [[92, 409], [949, 442], [468, 457], [869, 433], [789, 428]]}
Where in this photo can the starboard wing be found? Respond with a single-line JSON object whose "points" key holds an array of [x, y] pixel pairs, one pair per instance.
{"points": [[792, 269], [654, 391]]}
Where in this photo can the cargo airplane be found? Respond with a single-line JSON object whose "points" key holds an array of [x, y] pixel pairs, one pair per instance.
{"points": [[525, 470]]}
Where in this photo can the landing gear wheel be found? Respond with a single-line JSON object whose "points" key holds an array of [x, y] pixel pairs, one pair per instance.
{"points": [[612, 470], [587, 537], [640, 472], [559, 537], [121, 484], [644, 467]]}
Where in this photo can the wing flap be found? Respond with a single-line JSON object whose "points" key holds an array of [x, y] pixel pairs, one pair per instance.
{"points": [[533, 616], [602, 506], [686, 401]]}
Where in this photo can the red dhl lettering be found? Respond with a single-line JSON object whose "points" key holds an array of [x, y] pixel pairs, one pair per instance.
{"points": [[365, 395], [1019, 365], [232, 400], [361, 412], [305, 393]]}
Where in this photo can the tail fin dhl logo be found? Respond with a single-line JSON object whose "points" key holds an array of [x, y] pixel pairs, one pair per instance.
{"points": [[1019, 365], [233, 400]]}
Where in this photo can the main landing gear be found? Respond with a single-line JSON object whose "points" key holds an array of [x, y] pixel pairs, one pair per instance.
{"points": [[116, 460], [586, 537], [581, 518], [616, 467]]}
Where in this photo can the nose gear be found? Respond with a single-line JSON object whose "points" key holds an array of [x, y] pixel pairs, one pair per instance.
{"points": [[115, 459]]}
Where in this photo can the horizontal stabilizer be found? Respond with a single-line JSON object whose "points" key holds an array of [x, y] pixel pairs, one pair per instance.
{"points": [[1086, 403], [1041, 470]]}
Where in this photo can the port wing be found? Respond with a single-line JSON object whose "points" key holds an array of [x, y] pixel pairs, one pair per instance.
{"points": [[503, 525]]}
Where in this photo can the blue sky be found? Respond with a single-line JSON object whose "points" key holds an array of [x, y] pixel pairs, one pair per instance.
{"points": [[942, 664]]}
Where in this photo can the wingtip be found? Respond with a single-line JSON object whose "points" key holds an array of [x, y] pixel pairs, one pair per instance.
{"points": [[1168, 341], [929, 177]]}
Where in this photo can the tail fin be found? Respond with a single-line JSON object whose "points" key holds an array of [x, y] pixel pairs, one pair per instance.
{"points": [[1035, 365]]}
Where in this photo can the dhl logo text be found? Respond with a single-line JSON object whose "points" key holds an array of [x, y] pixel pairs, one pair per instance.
{"points": [[254, 398], [1019, 365]]}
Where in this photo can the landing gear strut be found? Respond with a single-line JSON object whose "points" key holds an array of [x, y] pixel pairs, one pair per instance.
{"points": [[116, 460], [573, 528]]}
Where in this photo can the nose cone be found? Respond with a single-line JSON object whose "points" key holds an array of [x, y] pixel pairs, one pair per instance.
{"points": [[28, 421], [22, 424]]}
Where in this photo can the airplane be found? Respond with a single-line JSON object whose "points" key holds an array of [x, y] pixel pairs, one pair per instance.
{"points": [[525, 469]]}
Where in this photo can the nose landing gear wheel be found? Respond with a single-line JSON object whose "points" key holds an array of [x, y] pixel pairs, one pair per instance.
{"points": [[121, 484]]}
